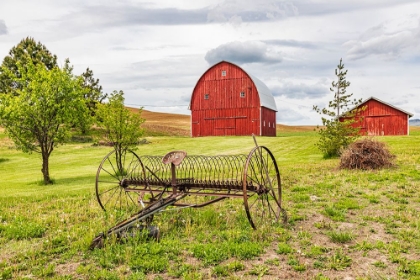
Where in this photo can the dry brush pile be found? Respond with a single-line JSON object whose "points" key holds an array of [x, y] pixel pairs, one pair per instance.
{"points": [[366, 154]]}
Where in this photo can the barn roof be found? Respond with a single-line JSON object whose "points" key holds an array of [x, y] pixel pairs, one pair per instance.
{"points": [[266, 98], [383, 102]]}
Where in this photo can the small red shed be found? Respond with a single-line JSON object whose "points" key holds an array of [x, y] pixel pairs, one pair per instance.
{"points": [[228, 101], [380, 118]]}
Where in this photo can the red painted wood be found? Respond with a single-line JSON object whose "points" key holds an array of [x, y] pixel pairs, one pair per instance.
{"points": [[381, 119], [225, 112], [269, 127]]}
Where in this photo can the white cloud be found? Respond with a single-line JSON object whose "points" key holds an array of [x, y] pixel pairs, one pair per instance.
{"points": [[156, 51], [251, 11], [327, 7], [387, 40], [287, 115], [301, 90], [243, 52], [3, 28]]}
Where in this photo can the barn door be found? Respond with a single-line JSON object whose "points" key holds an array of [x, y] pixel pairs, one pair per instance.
{"points": [[375, 126], [225, 126]]}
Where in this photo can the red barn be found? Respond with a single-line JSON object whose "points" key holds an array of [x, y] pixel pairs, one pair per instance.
{"points": [[380, 118], [228, 101]]}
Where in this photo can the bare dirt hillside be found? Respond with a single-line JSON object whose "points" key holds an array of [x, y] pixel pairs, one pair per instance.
{"points": [[165, 124], [299, 128]]}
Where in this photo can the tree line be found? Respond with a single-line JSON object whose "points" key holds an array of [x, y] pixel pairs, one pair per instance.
{"points": [[40, 103]]}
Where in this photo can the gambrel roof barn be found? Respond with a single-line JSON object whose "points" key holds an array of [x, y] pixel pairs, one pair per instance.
{"points": [[228, 101]]}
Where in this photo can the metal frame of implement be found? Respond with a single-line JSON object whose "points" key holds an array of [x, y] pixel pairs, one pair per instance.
{"points": [[126, 182]]}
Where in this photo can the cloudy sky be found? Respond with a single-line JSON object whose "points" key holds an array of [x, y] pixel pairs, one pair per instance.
{"points": [[155, 51]]}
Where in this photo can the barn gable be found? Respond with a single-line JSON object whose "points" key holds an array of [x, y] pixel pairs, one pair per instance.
{"points": [[228, 101], [380, 118]]}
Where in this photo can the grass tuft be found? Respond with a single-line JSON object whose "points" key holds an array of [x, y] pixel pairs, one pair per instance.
{"points": [[341, 236]]}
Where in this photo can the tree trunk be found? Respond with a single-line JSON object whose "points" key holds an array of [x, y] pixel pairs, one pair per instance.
{"points": [[118, 157], [45, 168]]}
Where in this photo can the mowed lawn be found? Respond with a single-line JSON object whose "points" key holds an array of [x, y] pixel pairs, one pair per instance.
{"points": [[342, 223]]}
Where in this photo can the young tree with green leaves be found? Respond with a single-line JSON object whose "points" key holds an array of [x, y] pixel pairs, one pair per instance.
{"points": [[337, 134], [121, 126], [27, 51], [38, 117]]}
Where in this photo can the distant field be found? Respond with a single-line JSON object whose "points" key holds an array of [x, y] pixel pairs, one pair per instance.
{"points": [[414, 129], [343, 224], [166, 124]]}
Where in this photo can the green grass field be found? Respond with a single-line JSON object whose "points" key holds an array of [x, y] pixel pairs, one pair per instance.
{"points": [[358, 224]]}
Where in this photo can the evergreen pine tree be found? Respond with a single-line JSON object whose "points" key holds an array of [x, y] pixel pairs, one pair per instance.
{"points": [[338, 120]]}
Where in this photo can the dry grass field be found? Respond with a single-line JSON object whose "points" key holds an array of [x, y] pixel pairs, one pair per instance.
{"points": [[166, 124]]}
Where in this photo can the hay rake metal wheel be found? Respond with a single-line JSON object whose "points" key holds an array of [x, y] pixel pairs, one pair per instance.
{"points": [[262, 188], [112, 191], [178, 180]]}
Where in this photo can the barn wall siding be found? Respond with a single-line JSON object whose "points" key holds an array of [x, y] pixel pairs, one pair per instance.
{"points": [[224, 111], [268, 125], [380, 119], [220, 122]]}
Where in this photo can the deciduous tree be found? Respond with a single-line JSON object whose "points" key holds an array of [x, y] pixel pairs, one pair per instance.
{"points": [[41, 113], [336, 135], [28, 50], [121, 126]]}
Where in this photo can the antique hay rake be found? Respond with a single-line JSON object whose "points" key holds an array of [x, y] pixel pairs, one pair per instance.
{"points": [[127, 181]]}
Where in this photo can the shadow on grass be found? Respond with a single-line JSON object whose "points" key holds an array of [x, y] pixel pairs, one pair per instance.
{"points": [[4, 159], [77, 181]]}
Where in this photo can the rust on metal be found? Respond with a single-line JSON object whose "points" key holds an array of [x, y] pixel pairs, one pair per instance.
{"points": [[152, 183], [174, 157]]}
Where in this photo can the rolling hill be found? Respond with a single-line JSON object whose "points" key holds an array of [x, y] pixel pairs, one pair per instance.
{"points": [[165, 124], [168, 124]]}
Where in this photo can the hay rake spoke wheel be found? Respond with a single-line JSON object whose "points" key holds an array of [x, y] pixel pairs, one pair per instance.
{"points": [[111, 189], [262, 188]]}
